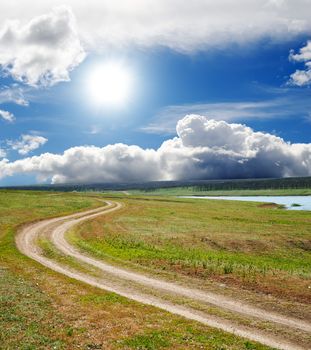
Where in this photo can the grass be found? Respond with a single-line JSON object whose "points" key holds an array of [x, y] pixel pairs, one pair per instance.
{"points": [[27, 320], [40, 309], [111, 298], [239, 243], [51, 252], [154, 340], [193, 191], [150, 341]]}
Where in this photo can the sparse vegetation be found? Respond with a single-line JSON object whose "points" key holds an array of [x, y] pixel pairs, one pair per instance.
{"points": [[27, 318], [197, 191], [242, 244], [40, 309]]}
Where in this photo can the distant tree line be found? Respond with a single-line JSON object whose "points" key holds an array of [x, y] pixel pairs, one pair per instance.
{"points": [[257, 184], [195, 185]]}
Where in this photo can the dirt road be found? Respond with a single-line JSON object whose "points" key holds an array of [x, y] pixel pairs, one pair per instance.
{"points": [[56, 228]]}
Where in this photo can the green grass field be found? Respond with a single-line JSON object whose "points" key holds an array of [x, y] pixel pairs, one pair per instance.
{"points": [[193, 191], [27, 318], [40, 309], [248, 245]]}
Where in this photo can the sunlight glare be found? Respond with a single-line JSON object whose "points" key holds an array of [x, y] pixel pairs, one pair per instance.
{"points": [[109, 84]]}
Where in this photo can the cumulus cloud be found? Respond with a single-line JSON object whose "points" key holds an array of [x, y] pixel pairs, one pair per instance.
{"points": [[302, 77], [7, 116], [27, 143], [203, 149], [42, 51], [180, 25], [112, 163], [295, 104]]}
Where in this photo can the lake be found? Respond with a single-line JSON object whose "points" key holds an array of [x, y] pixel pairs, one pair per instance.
{"points": [[289, 202]]}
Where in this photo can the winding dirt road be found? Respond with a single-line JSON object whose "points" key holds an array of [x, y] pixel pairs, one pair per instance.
{"points": [[55, 230]]}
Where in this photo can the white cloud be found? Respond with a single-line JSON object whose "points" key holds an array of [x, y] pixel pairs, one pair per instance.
{"points": [[9, 117], [302, 77], [27, 143], [293, 105], [180, 25], [42, 41], [13, 94], [304, 54], [2, 153], [204, 149], [94, 130], [42, 51]]}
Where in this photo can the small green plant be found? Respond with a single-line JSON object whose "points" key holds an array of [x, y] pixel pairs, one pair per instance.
{"points": [[249, 346], [151, 341], [228, 268], [69, 332], [110, 298]]}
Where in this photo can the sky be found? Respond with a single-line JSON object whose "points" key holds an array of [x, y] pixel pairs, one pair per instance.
{"points": [[145, 90]]}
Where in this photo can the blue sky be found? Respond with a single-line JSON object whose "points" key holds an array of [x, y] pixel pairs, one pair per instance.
{"points": [[249, 83]]}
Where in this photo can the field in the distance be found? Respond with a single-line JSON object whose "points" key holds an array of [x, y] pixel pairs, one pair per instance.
{"points": [[40, 309], [195, 191]]}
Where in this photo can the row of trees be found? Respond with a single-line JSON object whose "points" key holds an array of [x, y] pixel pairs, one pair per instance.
{"points": [[256, 184], [200, 185]]}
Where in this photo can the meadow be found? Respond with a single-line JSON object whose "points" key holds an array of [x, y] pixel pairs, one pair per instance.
{"points": [[195, 191], [253, 246], [40, 309]]}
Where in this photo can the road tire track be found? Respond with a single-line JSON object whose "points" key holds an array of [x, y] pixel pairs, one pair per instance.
{"points": [[57, 227]]}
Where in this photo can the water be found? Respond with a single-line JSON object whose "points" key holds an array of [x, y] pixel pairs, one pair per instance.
{"points": [[288, 201]]}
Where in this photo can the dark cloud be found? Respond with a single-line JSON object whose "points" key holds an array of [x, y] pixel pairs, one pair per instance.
{"points": [[204, 149]]}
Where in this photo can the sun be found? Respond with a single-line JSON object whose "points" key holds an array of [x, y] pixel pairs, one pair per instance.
{"points": [[110, 84]]}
